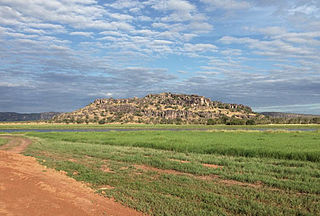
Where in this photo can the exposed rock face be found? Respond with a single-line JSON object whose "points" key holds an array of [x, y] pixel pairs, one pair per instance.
{"points": [[157, 108]]}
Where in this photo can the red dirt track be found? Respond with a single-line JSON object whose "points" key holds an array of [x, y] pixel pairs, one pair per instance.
{"points": [[28, 188]]}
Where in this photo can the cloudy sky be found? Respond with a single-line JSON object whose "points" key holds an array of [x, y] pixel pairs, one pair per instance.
{"points": [[59, 55]]}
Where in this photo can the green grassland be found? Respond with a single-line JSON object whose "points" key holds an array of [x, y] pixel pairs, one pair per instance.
{"points": [[163, 172], [2, 141], [35, 125], [282, 145]]}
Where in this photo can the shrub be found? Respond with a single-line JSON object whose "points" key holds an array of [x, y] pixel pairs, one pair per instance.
{"points": [[102, 121], [211, 122], [250, 122], [79, 121]]}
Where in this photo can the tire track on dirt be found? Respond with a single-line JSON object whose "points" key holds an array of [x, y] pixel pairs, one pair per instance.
{"points": [[28, 188], [16, 144]]}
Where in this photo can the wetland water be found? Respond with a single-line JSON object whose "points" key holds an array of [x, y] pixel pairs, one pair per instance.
{"points": [[153, 129]]}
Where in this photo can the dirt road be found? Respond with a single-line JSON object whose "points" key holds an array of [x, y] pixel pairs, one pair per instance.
{"points": [[28, 188], [16, 144]]}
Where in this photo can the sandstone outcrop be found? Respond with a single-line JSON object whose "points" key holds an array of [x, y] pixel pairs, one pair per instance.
{"points": [[157, 108]]}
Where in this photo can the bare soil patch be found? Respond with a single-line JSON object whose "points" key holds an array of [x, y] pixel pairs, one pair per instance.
{"points": [[174, 172], [245, 184], [106, 169], [180, 161], [214, 166], [206, 177], [106, 187], [28, 188], [166, 171]]}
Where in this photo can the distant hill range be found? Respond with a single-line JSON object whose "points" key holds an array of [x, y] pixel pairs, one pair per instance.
{"points": [[289, 118], [159, 108], [288, 115], [12, 116]]}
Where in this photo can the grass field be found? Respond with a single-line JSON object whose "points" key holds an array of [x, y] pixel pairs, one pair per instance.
{"points": [[193, 172], [282, 145]]}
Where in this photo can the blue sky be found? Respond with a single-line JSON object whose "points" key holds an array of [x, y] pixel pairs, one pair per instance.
{"points": [[59, 55]]}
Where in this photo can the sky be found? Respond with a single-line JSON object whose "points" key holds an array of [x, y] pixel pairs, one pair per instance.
{"points": [[60, 55]]}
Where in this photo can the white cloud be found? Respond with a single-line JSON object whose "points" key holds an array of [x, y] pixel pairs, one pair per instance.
{"points": [[227, 4], [165, 42], [34, 31], [144, 18], [124, 17], [306, 9], [175, 5], [188, 36], [19, 35], [59, 48], [270, 47], [114, 33], [145, 32], [123, 26], [84, 34], [73, 13], [200, 47], [179, 10], [55, 27], [168, 35], [160, 25], [124, 4], [200, 27], [230, 52], [110, 38]]}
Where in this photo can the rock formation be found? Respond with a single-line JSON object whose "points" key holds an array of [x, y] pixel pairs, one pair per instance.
{"points": [[158, 108]]}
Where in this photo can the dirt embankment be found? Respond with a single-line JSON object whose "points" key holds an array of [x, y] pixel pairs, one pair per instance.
{"points": [[28, 188]]}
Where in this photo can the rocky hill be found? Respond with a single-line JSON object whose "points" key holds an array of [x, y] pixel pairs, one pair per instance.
{"points": [[12, 116], [159, 108]]}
